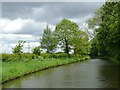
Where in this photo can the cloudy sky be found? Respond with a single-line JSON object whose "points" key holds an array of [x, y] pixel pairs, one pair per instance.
{"points": [[27, 20]]}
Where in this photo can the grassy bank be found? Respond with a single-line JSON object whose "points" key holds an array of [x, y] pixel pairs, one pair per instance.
{"points": [[113, 59], [15, 69]]}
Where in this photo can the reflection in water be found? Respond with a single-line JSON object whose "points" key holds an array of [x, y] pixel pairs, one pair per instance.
{"points": [[95, 73], [110, 74]]}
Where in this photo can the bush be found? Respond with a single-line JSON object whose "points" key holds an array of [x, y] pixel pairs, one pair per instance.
{"points": [[29, 56], [72, 55], [46, 55], [41, 58], [37, 50], [8, 57], [59, 55], [64, 55], [54, 55], [11, 57]]}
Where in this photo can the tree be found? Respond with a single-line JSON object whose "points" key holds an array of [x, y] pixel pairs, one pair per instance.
{"points": [[80, 43], [48, 40], [64, 33], [108, 34], [18, 48], [94, 48], [37, 50]]}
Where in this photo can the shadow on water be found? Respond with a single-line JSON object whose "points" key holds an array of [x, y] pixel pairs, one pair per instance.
{"points": [[95, 73], [110, 75]]}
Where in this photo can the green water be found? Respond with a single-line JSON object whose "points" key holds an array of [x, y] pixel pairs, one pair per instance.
{"points": [[95, 73]]}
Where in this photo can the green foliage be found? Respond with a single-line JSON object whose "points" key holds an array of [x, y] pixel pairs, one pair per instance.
{"points": [[94, 48], [59, 55], [26, 56], [108, 33], [48, 40], [9, 57], [64, 32], [70, 37], [18, 48], [46, 55], [80, 43], [15, 57], [54, 55], [37, 50]]}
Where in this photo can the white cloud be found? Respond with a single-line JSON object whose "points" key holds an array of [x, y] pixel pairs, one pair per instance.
{"points": [[8, 41], [28, 46], [11, 26], [15, 37], [82, 20], [46, 12], [21, 26], [52, 27]]}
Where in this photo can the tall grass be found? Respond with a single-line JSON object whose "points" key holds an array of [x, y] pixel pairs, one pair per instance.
{"points": [[15, 69]]}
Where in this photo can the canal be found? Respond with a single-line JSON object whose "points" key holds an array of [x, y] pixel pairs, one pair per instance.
{"points": [[94, 73]]}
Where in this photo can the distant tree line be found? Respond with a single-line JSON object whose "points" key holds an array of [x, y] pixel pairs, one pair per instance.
{"points": [[66, 36]]}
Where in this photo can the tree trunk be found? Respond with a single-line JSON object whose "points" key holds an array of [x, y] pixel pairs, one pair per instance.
{"points": [[75, 51], [66, 47]]}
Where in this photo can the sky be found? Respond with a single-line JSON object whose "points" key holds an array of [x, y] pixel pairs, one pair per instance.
{"points": [[27, 20]]}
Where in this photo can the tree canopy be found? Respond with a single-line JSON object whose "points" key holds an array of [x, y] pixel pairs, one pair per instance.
{"points": [[64, 33], [70, 37], [108, 33], [48, 40]]}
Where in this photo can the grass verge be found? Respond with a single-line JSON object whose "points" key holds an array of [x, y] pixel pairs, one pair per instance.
{"points": [[15, 69]]}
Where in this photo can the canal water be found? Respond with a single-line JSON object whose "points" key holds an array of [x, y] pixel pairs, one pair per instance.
{"points": [[94, 73]]}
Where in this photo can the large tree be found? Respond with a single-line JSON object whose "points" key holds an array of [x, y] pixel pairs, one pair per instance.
{"points": [[80, 43], [48, 40], [108, 33], [64, 33]]}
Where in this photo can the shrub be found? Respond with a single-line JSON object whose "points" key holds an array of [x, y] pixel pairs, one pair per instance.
{"points": [[11, 57], [40, 57], [59, 55], [64, 55], [46, 55], [8, 57], [72, 55], [37, 50], [29, 56], [54, 55]]}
